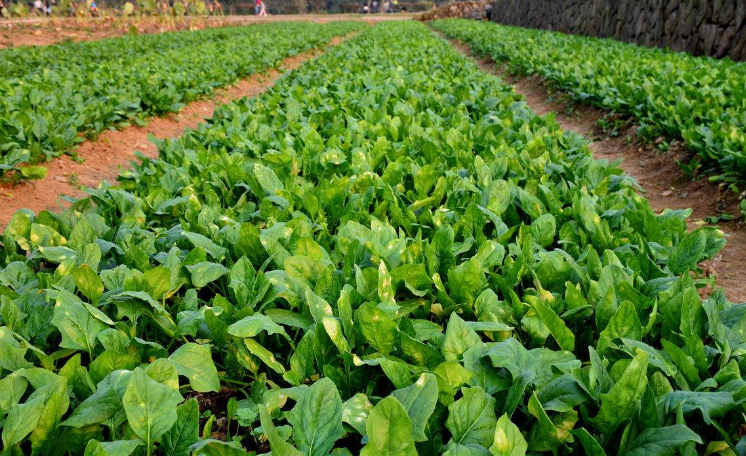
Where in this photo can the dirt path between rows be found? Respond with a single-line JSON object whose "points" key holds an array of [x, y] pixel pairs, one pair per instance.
{"points": [[104, 157], [657, 173]]}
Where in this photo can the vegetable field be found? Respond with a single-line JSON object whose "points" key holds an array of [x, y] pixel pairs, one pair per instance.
{"points": [[700, 100], [51, 96], [387, 253]]}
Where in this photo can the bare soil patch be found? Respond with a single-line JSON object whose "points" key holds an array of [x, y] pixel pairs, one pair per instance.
{"points": [[661, 180], [40, 37], [46, 31], [38, 31], [105, 157]]}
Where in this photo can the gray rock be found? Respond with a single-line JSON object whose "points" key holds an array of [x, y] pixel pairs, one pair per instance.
{"points": [[740, 13], [710, 27], [709, 33], [725, 42]]}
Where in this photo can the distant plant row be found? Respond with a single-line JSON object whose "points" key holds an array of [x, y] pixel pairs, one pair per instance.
{"points": [[52, 97], [699, 99]]}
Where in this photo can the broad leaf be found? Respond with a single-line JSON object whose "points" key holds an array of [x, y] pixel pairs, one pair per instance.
{"points": [[419, 400], [663, 441], [115, 448], [194, 362], [184, 433], [150, 407], [389, 430], [619, 403], [78, 324], [508, 439], [317, 418], [472, 418]]}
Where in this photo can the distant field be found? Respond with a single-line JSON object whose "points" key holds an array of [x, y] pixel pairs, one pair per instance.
{"points": [[36, 31]]}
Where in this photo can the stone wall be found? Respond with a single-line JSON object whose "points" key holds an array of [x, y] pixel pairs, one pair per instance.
{"points": [[466, 9], [703, 27]]}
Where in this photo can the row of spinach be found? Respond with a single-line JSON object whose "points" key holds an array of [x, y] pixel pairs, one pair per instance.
{"points": [[698, 99], [52, 97]]}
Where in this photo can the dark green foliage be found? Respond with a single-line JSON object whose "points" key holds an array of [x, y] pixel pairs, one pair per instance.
{"points": [[387, 253]]}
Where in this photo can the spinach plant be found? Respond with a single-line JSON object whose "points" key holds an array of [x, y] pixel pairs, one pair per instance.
{"points": [[387, 253]]}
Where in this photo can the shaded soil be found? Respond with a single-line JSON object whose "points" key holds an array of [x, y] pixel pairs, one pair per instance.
{"points": [[217, 404], [104, 157], [44, 31], [214, 402], [660, 179]]}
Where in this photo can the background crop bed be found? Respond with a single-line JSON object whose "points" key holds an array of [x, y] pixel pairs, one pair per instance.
{"points": [[50, 95], [699, 99]]}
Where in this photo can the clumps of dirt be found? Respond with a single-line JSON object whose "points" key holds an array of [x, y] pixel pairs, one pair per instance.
{"points": [[653, 164], [43, 31], [214, 402], [39, 38], [103, 158]]}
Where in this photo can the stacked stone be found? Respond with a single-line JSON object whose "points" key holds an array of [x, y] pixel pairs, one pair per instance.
{"points": [[702, 27], [466, 9]]}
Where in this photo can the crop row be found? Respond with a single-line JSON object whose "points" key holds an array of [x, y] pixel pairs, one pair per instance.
{"points": [[387, 253], [50, 95], [699, 99]]}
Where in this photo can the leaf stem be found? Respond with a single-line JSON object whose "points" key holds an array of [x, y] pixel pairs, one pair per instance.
{"points": [[234, 382]]}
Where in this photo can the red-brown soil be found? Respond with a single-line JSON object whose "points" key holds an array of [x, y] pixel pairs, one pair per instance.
{"points": [[43, 31]]}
